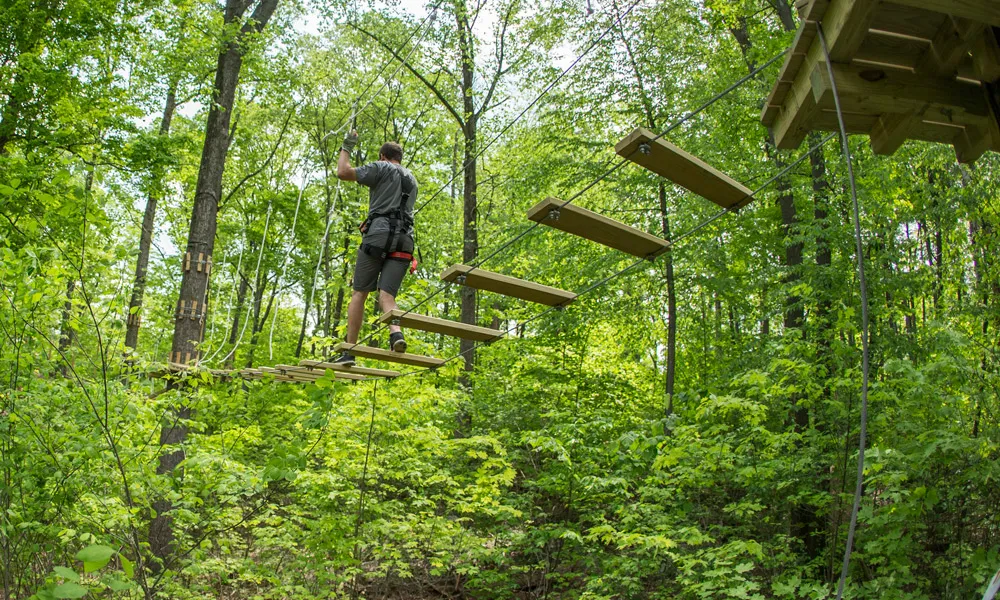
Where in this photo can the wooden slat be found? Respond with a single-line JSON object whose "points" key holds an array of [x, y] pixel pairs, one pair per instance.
{"points": [[789, 69], [888, 50], [402, 358], [443, 326], [598, 228], [508, 286], [355, 372], [983, 11], [301, 372], [684, 169]]}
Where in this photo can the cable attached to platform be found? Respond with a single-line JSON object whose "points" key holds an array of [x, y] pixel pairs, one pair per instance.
{"points": [[863, 286]]}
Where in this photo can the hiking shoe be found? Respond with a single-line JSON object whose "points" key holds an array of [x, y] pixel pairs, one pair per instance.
{"points": [[397, 342], [345, 360]]}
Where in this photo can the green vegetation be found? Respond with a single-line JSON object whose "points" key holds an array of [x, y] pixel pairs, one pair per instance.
{"points": [[687, 430]]}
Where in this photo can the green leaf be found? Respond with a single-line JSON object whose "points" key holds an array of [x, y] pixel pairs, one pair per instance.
{"points": [[94, 557], [69, 590], [66, 573], [127, 565], [118, 585]]}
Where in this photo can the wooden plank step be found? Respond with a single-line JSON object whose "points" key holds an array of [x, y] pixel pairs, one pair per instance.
{"points": [[341, 369], [597, 228], [299, 372], [403, 358], [508, 286], [684, 169], [444, 326]]}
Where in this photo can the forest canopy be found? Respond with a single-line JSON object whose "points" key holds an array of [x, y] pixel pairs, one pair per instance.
{"points": [[686, 427]]}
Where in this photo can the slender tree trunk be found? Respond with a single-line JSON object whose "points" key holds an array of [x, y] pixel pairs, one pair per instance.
{"points": [[201, 243], [470, 233], [234, 332], [134, 320], [338, 311]]}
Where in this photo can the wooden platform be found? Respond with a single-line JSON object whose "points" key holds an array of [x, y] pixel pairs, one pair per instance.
{"points": [[686, 170], [342, 370], [314, 373], [444, 326], [598, 228], [905, 70], [403, 358], [508, 286]]}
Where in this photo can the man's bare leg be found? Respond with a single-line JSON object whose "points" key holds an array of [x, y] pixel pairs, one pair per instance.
{"points": [[387, 302], [355, 315]]}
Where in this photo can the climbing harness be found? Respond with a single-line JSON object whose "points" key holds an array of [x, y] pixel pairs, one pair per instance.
{"points": [[400, 223]]}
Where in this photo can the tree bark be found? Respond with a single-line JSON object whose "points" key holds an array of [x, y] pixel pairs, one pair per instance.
{"points": [[201, 240], [470, 233], [134, 320]]}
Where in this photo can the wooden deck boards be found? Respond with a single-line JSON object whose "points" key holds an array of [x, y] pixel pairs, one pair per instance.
{"points": [[917, 68], [598, 228], [684, 169], [444, 326], [403, 358], [508, 286], [342, 370]]}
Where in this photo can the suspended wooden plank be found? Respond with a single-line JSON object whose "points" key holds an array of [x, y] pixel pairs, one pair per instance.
{"points": [[597, 228], [354, 372], [686, 170], [508, 286], [443, 326], [299, 373], [402, 358]]}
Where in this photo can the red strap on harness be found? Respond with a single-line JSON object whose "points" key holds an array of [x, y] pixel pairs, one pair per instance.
{"points": [[406, 256]]}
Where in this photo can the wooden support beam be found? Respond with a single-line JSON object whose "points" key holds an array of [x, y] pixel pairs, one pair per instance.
{"points": [[508, 286], [598, 228], [909, 22], [983, 11], [846, 25], [402, 358], [339, 370], [884, 91], [986, 56], [949, 47], [443, 326], [971, 143], [686, 170], [891, 130]]}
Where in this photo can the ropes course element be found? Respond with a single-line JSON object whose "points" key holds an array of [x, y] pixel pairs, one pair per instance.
{"points": [[260, 258], [863, 289], [642, 260], [690, 115], [284, 266]]}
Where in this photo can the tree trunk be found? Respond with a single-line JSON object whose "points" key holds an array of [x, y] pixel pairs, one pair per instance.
{"points": [[201, 242], [234, 333], [470, 234], [134, 320]]}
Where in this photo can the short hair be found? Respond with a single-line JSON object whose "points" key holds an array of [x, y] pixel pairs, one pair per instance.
{"points": [[392, 151]]}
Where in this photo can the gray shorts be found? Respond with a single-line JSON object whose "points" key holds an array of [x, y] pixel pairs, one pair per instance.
{"points": [[371, 272]]}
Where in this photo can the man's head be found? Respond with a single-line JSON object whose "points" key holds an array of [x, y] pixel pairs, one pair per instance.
{"points": [[391, 151]]}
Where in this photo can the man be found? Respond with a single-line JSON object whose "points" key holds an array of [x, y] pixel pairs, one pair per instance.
{"points": [[387, 243]]}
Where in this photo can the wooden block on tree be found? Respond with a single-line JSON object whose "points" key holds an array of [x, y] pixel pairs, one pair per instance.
{"points": [[402, 358], [684, 169], [351, 372], [443, 326], [597, 228], [508, 286]]}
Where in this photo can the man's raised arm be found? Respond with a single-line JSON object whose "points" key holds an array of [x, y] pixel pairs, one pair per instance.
{"points": [[344, 169]]}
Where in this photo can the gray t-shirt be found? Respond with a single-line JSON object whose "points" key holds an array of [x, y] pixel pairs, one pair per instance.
{"points": [[386, 181]]}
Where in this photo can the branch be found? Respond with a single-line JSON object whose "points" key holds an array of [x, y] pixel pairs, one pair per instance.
{"points": [[502, 46], [419, 76], [281, 137]]}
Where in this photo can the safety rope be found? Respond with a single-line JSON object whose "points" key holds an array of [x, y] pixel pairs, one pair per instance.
{"points": [[284, 266], [863, 289]]}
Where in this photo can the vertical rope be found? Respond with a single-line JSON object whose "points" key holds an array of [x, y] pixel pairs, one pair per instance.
{"points": [[863, 285], [284, 267]]}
